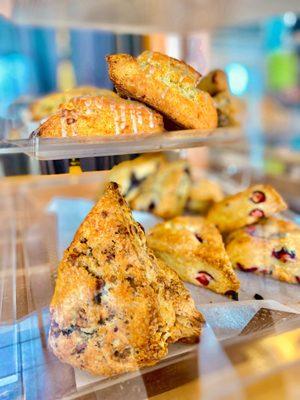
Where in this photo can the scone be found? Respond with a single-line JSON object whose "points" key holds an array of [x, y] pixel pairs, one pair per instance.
{"points": [[271, 247], [44, 106], [193, 247], [226, 109], [165, 192], [214, 82], [116, 307], [203, 194], [246, 207], [129, 175], [165, 84], [100, 115]]}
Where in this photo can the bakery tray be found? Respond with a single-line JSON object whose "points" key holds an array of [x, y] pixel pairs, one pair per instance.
{"points": [[46, 215], [80, 147]]}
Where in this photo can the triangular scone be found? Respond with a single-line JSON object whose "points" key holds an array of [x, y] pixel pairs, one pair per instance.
{"points": [[165, 193], [245, 208], [193, 247], [271, 247], [129, 175], [203, 194], [115, 306]]}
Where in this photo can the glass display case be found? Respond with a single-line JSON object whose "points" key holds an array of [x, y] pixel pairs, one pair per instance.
{"points": [[248, 348]]}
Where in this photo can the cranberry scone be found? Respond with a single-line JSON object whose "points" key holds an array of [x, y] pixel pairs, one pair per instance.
{"points": [[246, 207], [129, 175], [165, 84], [116, 307], [165, 192], [193, 247], [101, 115], [203, 194], [270, 247]]}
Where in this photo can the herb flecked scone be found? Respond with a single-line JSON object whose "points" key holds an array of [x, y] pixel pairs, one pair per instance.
{"points": [[165, 84], [101, 115], [193, 247], [46, 105], [271, 247], [246, 207], [165, 192], [116, 307]]}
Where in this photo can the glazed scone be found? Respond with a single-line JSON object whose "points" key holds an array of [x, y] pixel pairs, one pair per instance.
{"points": [[165, 84], [193, 247], [271, 247], [214, 82], [116, 307], [47, 105], [203, 194], [100, 115], [165, 192], [246, 207], [129, 175]]}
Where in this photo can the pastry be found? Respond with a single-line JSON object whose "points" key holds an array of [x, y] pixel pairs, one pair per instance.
{"points": [[165, 192], [130, 174], [165, 84], [226, 109], [214, 82], [100, 115], [116, 307], [246, 207], [44, 106], [193, 247], [271, 247], [203, 194]]}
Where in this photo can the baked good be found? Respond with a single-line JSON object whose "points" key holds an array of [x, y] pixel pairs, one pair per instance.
{"points": [[46, 105], [226, 109], [193, 247], [165, 84], [130, 174], [203, 194], [100, 115], [271, 247], [165, 192], [116, 307], [214, 82], [246, 207]]}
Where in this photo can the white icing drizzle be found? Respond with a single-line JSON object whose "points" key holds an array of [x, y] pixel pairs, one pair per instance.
{"points": [[139, 116], [133, 120], [116, 118], [123, 117], [151, 120], [63, 127]]}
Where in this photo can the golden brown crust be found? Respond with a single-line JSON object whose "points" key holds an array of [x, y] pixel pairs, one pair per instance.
{"points": [[132, 173], [246, 207], [226, 109], [193, 247], [47, 105], [115, 306], [165, 84], [214, 82], [203, 194], [165, 192], [98, 116], [271, 248]]}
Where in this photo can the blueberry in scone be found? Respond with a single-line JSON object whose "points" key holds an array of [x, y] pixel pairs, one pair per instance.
{"points": [[270, 247], [116, 307], [193, 247]]}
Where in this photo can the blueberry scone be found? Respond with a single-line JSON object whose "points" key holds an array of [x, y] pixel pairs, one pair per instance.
{"points": [[245, 208], [203, 194], [271, 247], [193, 247], [165, 192], [101, 115], [44, 106], [116, 307], [129, 175], [165, 84]]}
